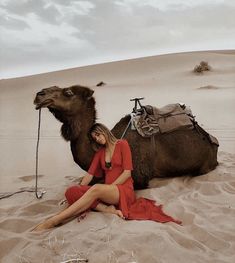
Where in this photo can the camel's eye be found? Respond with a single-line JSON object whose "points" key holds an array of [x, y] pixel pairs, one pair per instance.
{"points": [[68, 92]]}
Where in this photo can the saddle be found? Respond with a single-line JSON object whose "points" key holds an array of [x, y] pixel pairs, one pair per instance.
{"points": [[150, 120]]}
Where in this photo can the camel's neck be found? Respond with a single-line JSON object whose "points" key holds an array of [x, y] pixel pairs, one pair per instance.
{"points": [[76, 126], [82, 150], [76, 131]]}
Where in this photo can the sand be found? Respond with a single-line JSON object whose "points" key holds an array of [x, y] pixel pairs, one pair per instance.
{"points": [[205, 204]]}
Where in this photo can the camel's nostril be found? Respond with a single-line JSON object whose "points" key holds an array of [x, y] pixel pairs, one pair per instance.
{"points": [[41, 93]]}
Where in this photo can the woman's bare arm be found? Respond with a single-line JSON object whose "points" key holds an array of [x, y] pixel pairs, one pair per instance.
{"points": [[123, 177]]}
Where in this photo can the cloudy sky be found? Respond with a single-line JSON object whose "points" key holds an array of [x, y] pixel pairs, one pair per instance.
{"points": [[46, 35]]}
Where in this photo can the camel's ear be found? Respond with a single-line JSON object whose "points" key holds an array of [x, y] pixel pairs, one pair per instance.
{"points": [[87, 93]]}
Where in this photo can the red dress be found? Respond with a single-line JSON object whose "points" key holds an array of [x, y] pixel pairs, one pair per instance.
{"points": [[132, 208]]}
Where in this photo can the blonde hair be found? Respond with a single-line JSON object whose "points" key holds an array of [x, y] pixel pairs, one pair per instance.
{"points": [[100, 128]]}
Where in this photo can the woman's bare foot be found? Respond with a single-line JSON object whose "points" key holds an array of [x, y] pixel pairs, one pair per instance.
{"points": [[49, 223], [112, 210]]}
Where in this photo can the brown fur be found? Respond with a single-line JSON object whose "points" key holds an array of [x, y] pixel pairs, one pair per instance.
{"points": [[183, 152]]}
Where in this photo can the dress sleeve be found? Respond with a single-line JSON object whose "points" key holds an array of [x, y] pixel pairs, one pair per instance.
{"points": [[95, 166], [126, 156]]}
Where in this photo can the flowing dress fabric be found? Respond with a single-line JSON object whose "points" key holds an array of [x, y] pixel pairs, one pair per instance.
{"points": [[132, 208]]}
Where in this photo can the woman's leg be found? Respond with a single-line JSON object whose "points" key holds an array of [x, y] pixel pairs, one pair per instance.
{"points": [[75, 192], [111, 209], [106, 193]]}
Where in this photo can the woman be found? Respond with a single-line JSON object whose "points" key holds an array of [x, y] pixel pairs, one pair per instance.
{"points": [[113, 158]]}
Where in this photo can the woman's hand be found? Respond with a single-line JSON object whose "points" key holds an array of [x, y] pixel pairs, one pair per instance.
{"points": [[86, 179], [122, 177]]}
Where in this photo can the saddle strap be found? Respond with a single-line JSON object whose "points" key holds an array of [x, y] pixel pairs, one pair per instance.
{"points": [[153, 143]]}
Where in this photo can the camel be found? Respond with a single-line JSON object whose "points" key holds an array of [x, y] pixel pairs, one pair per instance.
{"points": [[179, 153]]}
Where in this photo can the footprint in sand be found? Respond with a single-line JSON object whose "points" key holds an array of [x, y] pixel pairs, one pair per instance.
{"points": [[28, 178], [40, 208], [7, 245], [209, 87], [209, 239], [73, 179], [16, 225]]}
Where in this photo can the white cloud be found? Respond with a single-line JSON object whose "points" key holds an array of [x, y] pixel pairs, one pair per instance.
{"points": [[171, 4], [61, 34]]}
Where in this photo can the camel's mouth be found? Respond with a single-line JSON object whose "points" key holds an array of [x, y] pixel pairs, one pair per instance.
{"points": [[43, 104]]}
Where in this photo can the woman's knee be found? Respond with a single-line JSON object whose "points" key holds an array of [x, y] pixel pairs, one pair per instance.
{"points": [[96, 190]]}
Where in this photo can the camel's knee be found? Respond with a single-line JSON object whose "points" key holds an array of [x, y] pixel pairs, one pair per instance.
{"points": [[96, 190]]}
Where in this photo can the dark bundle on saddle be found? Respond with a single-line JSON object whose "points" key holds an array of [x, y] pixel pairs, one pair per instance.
{"points": [[149, 120]]}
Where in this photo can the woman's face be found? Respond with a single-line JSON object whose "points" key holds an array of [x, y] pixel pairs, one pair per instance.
{"points": [[98, 137]]}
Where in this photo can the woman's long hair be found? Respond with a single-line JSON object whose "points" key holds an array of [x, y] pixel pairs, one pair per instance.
{"points": [[100, 128]]}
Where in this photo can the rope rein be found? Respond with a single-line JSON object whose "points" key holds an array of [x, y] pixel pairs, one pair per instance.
{"points": [[133, 114], [126, 129], [38, 195]]}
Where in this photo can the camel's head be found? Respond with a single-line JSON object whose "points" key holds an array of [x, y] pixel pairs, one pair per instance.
{"points": [[73, 106], [68, 100]]}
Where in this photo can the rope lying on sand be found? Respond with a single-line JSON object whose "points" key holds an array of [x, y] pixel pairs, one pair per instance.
{"points": [[8, 194], [74, 260]]}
